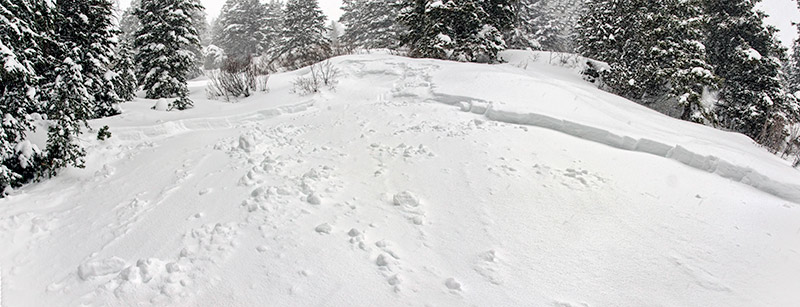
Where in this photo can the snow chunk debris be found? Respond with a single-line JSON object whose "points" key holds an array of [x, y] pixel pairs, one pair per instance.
{"points": [[324, 228], [314, 199], [354, 232], [452, 284], [101, 267], [161, 105], [406, 199], [383, 260]]}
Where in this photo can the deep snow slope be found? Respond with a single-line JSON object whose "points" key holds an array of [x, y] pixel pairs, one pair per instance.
{"points": [[413, 183]]}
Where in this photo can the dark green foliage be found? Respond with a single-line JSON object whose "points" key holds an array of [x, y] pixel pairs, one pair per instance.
{"points": [[104, 133], [166, 44], [21, 26], [69, 107], [543, 25], [87, 30], [125, 82], [129, 23], [243, 29], [748, 58], [370, 24], [463, 30], [273, 27], [303, 37], [654, 49]]}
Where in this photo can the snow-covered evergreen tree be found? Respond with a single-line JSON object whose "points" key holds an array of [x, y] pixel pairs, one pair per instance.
{"points": [[655, 52], [273, 27], [20, 53], [70, 103], [304, 37], [544, 25], [463, 30], [129, 23], [242, 29], [791, 67], [214, 57], [567, 14], [164, 48], [531, 25], [746, 55], [370, 24], [125, 83], [334, 35], [200, 22], [87, 29]]}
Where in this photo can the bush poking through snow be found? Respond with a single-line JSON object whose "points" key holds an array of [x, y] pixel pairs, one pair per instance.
{"points": [[322, 74], [103, 134], [237, 78]]}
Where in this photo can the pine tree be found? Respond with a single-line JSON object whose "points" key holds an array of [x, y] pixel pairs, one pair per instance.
{"points": [[273, 27], [200, 22], [125, 83], [655, 52], [543, 25], [370, 24], [602, 29], [87, 29], [214, 57], [335, 37], [21, 31], [531, 26], [164, 45], [792, 67], [129, 23], [463, 30], [303, 39], [746, 55], [242, 30], [567, 14], [70, 104]]}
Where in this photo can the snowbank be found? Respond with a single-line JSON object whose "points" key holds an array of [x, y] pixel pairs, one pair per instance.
{"points": [[552, 97]]}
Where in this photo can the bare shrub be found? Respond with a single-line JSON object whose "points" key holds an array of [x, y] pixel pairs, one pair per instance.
{"points": [[322, 74], [569, 60], [792, 147], [237, 78], [774, 134]]}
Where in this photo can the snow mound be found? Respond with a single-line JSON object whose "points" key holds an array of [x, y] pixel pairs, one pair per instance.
{"points": [[101, 267]]}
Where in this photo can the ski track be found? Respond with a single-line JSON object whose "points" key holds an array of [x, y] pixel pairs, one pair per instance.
{"points": [[286, 184]]}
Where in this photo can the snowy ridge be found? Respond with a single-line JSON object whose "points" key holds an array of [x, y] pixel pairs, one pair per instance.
{"points": [[711, 164], [576, 108], [579, 110], [177, 127]]}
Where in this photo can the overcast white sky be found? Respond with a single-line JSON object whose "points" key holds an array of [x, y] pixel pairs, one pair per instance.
{"points": [[782, 13]]}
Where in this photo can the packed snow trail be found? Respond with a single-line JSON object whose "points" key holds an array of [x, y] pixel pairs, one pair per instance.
{"points": [[382, 193]]}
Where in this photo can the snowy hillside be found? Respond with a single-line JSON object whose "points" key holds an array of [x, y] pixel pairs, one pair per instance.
{"points": [[414, 182]]}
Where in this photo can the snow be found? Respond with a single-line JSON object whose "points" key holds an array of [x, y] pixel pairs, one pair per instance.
{"points": [[439, 183], [752, 54], [26, 150], [10, 62], [103, 267], [444, 38]]}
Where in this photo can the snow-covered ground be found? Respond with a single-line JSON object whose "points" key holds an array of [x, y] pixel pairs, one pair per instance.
{"points": [[414, 182]]}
